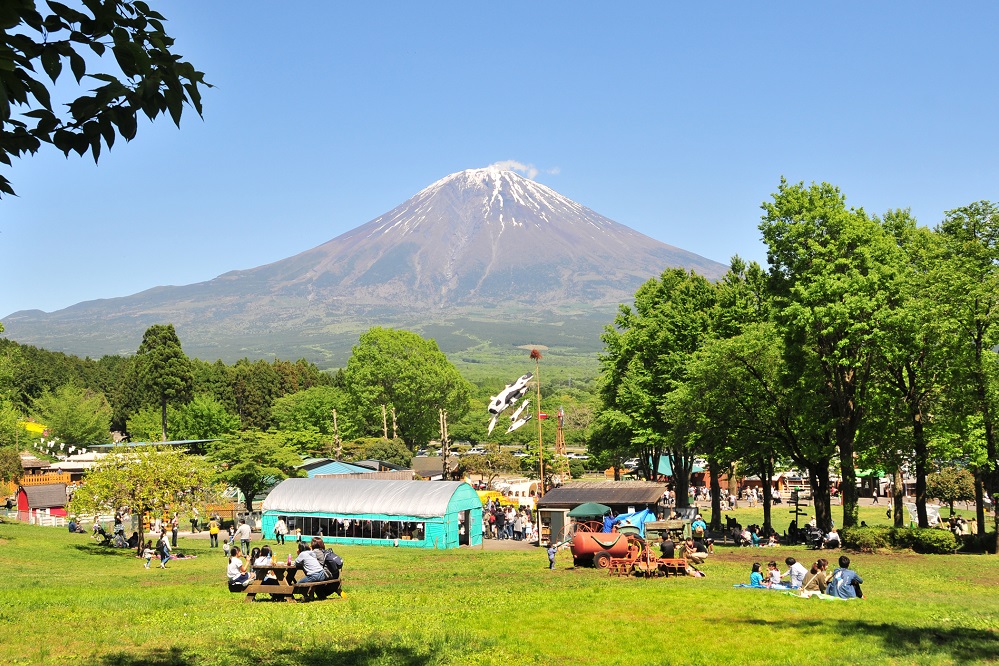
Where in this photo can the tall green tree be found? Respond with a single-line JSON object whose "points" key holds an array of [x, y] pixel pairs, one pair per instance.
{"points": [[972, 288], [645, 360], [75, 415], [252, 461], [832, 272], [951, 485], [145, 479], [311, 412], [401, 370], [164, 370], [151, 78], [205, 418]]}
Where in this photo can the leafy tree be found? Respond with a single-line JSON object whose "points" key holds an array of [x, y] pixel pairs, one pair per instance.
{"points": [[610, 437], [164, 370], [145, 479], [146, 425], [644, 362], [11, 432], [310, 412], [10, 464], [401, 370], [252, 461], [951, 485], [204, 418], [378, 448], [832, 273], [490, 464], [75, 415], [151, 78], [971, 286]]}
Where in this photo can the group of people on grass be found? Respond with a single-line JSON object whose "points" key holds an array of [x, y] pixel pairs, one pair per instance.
{"points": [[316, 562], [843, 582]]}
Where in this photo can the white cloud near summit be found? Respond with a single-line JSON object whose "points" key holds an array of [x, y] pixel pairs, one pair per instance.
{"points": [[528, 170]]}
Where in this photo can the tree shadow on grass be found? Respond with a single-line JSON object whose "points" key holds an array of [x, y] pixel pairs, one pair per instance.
{"points": [[363, 655], [961, 644]]}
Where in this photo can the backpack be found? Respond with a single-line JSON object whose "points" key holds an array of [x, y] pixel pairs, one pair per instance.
{"points": [[332, 562]]}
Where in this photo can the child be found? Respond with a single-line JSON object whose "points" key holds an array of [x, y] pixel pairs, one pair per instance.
{"points": [[551, 556], [226, 544], [148, 553], [756, 578], [773, 574]]}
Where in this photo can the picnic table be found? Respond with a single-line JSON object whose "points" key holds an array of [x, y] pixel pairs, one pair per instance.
{"points": [[283, 586]]}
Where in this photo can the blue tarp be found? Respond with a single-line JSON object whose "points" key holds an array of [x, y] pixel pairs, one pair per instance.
{"points": [[637, 519]]}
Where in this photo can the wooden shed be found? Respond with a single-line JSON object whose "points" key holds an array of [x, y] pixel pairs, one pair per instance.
{"points": [[411, 514], [51, 496]]}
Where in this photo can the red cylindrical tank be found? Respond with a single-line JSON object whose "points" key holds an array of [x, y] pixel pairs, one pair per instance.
{"points": [[587, 544]]}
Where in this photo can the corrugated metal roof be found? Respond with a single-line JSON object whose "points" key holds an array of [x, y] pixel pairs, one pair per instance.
{"points": [[575, 493], [46, 497], [360, 496]]}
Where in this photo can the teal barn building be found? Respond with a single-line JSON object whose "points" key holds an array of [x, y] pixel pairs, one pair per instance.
{"points": [[407, 514]]}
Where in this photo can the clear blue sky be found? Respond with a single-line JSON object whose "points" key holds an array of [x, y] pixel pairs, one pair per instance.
{"points": [[673, 119]]}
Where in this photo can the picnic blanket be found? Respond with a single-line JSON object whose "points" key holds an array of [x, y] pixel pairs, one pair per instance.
{"points": [[775, 588]]}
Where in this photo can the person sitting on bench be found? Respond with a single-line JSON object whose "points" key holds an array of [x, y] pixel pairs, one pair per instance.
{"points": [[309, 564], [236, 571]]}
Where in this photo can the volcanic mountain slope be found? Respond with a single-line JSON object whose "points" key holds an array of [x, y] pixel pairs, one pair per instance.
{"points": [[478, 241]]}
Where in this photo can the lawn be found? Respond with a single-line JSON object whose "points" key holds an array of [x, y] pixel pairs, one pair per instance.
{"points": [[65, 600]]}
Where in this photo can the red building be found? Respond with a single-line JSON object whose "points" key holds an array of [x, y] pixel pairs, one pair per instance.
{"points": [[51, 496]]}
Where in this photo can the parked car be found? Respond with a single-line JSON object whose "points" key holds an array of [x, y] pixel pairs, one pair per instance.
{"points": [[578, 456], [475, 451], [631, 463]]}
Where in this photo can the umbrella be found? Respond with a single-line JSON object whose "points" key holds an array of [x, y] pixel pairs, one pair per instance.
{"points": [[589, 510]]}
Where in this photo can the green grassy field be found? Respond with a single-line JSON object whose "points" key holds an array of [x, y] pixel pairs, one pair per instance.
{"points": [[66, 601]]}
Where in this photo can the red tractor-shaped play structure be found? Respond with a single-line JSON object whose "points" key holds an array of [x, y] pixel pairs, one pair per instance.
{"points": [[620, 552]]}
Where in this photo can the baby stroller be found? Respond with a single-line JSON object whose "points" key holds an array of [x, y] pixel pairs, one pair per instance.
{"points": [[104, 539], [814, 537]]}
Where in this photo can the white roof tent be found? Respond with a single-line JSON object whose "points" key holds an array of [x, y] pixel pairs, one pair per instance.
{"points": [[424, 499], [428, 514]]}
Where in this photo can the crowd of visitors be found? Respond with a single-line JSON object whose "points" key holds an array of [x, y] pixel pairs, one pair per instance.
{"points": [[499, 522]]}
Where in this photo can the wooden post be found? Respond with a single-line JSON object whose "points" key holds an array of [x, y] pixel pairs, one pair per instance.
{"points": [[445, 446], [395, 432], [337, 442], [384, 423], [536, 355]]}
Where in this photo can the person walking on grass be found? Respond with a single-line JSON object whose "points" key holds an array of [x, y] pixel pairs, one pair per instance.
{"points": [[551, 556], [174, 528], [213, 533], [243, 532], [164, 550]]}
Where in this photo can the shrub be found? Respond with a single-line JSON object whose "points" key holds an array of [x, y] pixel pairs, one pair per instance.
{"points": [[925, 540], [866, 539], [870, 539]]}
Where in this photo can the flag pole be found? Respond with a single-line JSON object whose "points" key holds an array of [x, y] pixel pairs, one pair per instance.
{"points": [[536, 355]]}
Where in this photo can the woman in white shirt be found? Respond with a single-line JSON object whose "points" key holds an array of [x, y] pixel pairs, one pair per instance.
{"points": [[236, 571]]}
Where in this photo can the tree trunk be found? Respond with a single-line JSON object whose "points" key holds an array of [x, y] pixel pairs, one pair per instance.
{"points": [[848, 486], [818, 477], [733, 480], [767, 469], [919, 440], [681, 478], [716, 518], [898, 499], [979, 501], [163, 419]]}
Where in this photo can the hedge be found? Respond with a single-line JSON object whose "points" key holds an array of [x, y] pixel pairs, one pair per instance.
{"points": [[869, 539]]}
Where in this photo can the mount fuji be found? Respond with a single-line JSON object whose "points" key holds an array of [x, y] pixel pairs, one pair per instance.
{"points": [[483, 249]]}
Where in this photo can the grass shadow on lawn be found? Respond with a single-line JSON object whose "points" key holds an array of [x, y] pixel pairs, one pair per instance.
{"points": [[358, 656], [961, 644]]}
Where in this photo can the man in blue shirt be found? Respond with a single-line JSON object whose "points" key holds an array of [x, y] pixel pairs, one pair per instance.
{"points": [[845, 583]]}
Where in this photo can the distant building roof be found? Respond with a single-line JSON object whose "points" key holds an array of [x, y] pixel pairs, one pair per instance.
{"points": [[45, 497], [335, 467], [611, 493], [379, 465], [176, 442], [431, 466]]}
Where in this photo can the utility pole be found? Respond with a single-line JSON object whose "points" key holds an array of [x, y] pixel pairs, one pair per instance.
{"points": [[395, 431], [384, 423]]}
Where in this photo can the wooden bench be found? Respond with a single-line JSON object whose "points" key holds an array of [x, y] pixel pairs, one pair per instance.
{"points": [[286, 592]]}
